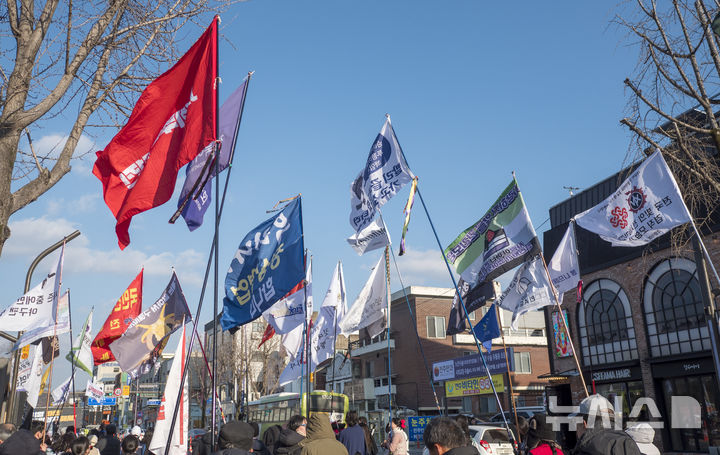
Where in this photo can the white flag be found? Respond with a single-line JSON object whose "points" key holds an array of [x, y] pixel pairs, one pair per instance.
{"points": [[49, 330], [94, 390], [34, 309], [290, 311], [325, 330], [294, 369], [644, 207], [385, 173], [59, 395], [370, 305], [33, 385], [529, 290], [178, 446], [293, 340], [564, 267], [80, 354], [371, 238], [25, 368]]}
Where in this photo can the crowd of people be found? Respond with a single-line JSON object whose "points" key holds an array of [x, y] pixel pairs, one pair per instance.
{"points": [[318, 436]]}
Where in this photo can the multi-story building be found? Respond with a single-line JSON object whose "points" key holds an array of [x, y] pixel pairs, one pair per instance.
{"points": [[640, 329], [411, 388]]}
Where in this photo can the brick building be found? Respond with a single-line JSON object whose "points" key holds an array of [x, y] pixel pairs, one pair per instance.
{"points": [[640, 329], [411, 386]]}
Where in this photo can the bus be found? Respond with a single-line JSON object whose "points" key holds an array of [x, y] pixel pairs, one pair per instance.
{"points": [[276, 409]]}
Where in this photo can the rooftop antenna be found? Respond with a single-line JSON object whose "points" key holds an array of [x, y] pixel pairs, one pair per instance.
{"points": [[571, 189]]}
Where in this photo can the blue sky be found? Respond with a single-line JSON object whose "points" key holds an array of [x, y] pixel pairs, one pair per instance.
{"points": [[475, 91]]}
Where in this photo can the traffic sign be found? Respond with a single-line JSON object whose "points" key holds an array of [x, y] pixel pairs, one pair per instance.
{"points": [[117, 392], [104, 401], [139, 421], [126, 390], [154, 402]]}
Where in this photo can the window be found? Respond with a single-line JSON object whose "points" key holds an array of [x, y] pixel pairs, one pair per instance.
{"points": [[607, 334], [472, 316], [435, 326], [522, 363], [674, 311]]}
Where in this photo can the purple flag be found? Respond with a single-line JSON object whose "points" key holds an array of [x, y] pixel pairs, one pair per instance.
{"points": [[230, 113]]}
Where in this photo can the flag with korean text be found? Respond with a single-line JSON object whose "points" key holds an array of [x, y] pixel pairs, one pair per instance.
{"points": [[326, 328], [645, 206], [148, 333], [295, 366], [564, 267], [372, 237], [81, 353], [125, 310], [474, 298], [266, 266], [200, 172], [49, 329], [294, 308], [173, 120], [528, 290], [385, 173], [159, 441], [498, 242], [370, 306], [61, 392], [94, 389]]}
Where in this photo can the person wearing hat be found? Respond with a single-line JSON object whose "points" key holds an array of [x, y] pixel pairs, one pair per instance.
{"points": [[643, 435], [541, 437], [236, 438], [93, 441], [596, 435], [320, 438]]}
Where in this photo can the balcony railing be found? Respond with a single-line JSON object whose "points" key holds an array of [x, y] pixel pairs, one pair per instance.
{"points": [[368, 341], [365, 346]]}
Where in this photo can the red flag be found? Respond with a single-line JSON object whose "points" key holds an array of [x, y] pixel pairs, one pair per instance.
{"points": [[269, 333], [126, 309], [173, 120]]}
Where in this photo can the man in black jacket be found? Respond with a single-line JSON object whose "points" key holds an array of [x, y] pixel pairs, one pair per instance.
{"points": [[109, 444], [290, 437], [596, 434], [443, 436], [25, 441]]}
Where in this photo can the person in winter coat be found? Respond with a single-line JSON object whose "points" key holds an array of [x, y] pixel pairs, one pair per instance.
{"points": [[320, 438], [399, 443], [289, 440], [271, 436], [595, 433], [110, 444], [257, 445], [541, 437], [443, 436], [25, 441], [236, 438], [462, 421], [371, 447], [643, 435], [353, 436]]}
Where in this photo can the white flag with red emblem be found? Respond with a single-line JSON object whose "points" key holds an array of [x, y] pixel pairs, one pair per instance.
{"points": [[644, 207]]}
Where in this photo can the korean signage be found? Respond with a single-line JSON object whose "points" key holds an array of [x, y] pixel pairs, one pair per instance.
{"points": [[104, 401], [471, 366], [474, 386], [416, 426]]}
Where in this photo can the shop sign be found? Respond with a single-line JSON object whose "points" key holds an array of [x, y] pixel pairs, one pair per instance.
{"points": [[471, 366], [683, 368], [416, 426], [474, 386], [443, 371], [617, 374]]}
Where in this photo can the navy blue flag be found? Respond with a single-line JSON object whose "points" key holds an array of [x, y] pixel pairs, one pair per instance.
{"points": [[267, 264], [474, 298], [488, 329], [195, 208]]}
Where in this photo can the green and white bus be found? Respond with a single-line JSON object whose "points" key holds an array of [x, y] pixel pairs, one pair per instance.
{"points": [[276, 409]]}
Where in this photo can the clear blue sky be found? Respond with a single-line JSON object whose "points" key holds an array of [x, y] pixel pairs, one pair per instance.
{"points": [[475, 90]]}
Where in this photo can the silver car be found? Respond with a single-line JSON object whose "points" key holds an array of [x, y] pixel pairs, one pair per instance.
{"points": [[491, 440]]}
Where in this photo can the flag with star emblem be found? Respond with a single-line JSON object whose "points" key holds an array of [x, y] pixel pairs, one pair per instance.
{"points": [[488, 329], [152, 327]]}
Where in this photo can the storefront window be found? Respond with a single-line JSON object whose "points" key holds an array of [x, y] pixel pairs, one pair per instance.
{"points": [[674, 311], [607, 334], [626, 393], [703, 389]]}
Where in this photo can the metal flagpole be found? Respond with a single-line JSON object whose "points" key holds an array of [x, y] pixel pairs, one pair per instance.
{"points": [[216, 255], [52, 349], [507, 363], [72, 369], [308, 321], [389, 296], [460, 299], [335, 314]]}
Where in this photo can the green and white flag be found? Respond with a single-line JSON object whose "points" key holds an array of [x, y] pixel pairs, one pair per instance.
{"points": [[80, 353], [501, 240]]}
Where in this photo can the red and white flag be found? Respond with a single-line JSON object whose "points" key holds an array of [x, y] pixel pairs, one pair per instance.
{"points": [[173, 120]]}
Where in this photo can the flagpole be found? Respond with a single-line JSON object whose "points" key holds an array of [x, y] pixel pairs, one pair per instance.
{"points": [[507, 363], [460, 299], [308, 319], [389, 296], [335, 337], [52, 348], [72, 371]]}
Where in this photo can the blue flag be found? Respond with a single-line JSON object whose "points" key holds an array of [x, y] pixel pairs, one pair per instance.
{"points": [[266, 266], [488, 328], [195, 208]]}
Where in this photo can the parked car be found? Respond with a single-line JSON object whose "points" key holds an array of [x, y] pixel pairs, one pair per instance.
{"points": [[522, 411], [493, 440]]}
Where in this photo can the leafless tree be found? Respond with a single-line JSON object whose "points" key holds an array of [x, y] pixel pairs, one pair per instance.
{"points": [[675, 92], [82, 64]]}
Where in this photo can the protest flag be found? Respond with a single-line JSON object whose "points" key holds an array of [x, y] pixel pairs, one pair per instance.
{"points": [[474, 297], [408, 208], [81, 353], [125, 310], [267, 334], [324, 334], [487, 329], [564, 267], [173, 120], [372, 237], [196, 193], [645, 206], [369, 307], [294, 308], [152, 327], [499, 241], [266, 266], [529, 290], [385, 173]]}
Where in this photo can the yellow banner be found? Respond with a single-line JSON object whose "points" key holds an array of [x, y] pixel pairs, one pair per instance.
{"points": [[474, 386], [126, 390]]}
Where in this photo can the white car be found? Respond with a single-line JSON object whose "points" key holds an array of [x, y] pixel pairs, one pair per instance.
{"points": [[491, 440]]}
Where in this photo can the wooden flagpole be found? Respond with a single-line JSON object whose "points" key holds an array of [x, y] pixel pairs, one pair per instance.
{"points": [[507, 363]]}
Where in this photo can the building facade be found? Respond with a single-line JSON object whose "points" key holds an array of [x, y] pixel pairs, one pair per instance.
{"points": [[639, 330]]}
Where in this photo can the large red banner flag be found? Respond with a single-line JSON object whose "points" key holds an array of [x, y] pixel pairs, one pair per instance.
{"points": [[126, 309], [173, 120]]}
